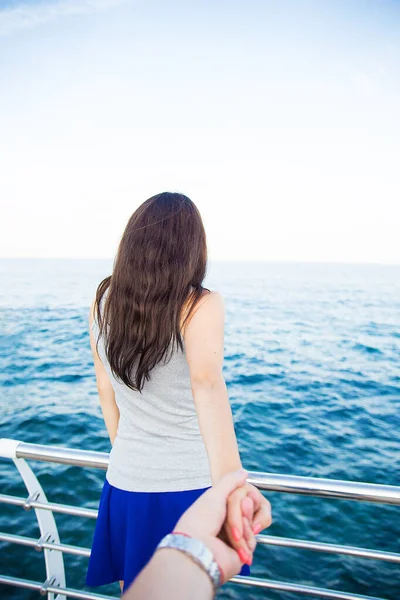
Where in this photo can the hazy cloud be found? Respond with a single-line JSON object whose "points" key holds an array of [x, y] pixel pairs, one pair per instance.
{"points": [[26, 16]]}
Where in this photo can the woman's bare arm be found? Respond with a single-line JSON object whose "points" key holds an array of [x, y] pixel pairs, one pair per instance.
{"points": [[108, 404], [204, 343]]}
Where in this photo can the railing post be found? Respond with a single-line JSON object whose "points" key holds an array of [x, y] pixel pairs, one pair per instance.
{"points": [[54, 561]]}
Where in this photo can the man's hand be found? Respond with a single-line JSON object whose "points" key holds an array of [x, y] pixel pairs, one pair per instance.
{"points": [[205, 518]]}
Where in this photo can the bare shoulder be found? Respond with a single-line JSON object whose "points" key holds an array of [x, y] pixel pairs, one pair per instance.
{"points": [[211, 301], [209, 308]]}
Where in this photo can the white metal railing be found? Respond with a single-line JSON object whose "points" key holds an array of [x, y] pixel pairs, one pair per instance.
{"points": [[53, 549]]}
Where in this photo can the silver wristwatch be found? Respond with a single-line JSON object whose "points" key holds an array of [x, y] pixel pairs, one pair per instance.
{"points": [[197, 551]]}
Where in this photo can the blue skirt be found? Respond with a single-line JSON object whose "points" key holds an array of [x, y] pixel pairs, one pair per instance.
{"points": [[129, 527]]}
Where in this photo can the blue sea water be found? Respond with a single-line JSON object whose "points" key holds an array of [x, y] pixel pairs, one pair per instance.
{"points": [[313, 371]]}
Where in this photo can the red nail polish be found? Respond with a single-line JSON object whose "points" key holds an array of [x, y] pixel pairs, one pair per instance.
{"points": [[235, 533], [243, 556], [257, 529]]}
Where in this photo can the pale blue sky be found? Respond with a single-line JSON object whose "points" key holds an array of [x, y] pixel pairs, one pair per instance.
{"points": [[280, 119]]}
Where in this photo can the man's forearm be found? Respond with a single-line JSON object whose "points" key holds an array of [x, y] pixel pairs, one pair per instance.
{"points": [[171, 574]]}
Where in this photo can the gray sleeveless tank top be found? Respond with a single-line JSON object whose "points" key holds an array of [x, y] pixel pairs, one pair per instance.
{"points": [[158, 447]]}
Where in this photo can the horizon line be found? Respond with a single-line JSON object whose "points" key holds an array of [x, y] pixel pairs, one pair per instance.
{"points": [[220, 260]]}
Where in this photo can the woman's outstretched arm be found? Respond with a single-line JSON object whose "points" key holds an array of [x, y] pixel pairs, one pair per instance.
{"points": [[204, 344], [108, 404]]}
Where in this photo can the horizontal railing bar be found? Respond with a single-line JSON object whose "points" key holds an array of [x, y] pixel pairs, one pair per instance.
{"points": [[66, 509], [65, 456], [262, 539], [78, 594], [35, 585], [250, 581], [330, 548], [326, 488], [291, 484], [34, 543], [300, 589], [14, 500], [24, 583]]}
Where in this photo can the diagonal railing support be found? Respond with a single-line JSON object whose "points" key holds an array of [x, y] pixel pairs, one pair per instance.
{"points": [[54, 561]]}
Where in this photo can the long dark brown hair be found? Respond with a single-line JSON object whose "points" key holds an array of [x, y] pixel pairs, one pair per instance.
{"points": [[154, 287]]}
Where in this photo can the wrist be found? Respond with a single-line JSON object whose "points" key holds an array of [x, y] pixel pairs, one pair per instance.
{"points": [[210, 542], [188, 574], [218, 474], [196, 549]]}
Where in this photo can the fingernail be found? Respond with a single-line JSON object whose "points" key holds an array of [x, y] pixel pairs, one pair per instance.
{"points": [[235, 533], [256, 529], [243, 556]]}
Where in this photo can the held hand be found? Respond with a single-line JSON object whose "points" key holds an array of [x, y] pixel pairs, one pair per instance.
{"points": [[246, 502], [205, 518]]}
